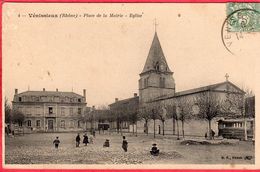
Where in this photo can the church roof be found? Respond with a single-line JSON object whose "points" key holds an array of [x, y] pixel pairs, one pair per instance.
{"points": [[197, 90], [155, 55]]}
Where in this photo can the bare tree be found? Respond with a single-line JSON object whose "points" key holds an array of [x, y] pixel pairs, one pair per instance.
{"points": [[153, 111], [145, 115], [184, 111], [172, 113], [209, 107], [162, 115]]}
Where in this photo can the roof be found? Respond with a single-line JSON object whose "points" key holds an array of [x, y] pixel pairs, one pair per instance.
{"points": [[155, 55], [49, 93], [126, 101], [197, 90]]}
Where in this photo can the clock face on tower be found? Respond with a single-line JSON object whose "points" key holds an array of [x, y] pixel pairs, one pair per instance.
{"points": [[162, 67]]}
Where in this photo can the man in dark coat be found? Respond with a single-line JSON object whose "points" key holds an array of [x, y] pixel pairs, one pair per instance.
{"points": [[56, 142], [77, 140], [85, 140], [124, 144]]}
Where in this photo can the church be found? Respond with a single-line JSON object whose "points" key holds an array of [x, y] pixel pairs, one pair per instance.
{"points": [[157, 89]]}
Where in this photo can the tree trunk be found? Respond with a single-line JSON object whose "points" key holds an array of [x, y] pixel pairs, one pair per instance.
{"points": [[133, 128], [146, 127], [136, 129], [210, 133], [178, 132], [245, 129], [173, 126], [154, 128], [121, 129], [182, 126], [163, 128]]}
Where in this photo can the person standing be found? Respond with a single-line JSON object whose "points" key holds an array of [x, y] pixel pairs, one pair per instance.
{"points": [[124, 144], [56, 142], [77, 140], [85, 140]]}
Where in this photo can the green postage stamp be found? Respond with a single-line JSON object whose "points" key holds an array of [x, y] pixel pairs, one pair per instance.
{"points": [[243, 17]]}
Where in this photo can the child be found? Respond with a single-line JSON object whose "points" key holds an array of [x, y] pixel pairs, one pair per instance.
{"points": [[155, 150], [91, 139], [106, 144], [56, 142], [77, 140], [124, 144]]}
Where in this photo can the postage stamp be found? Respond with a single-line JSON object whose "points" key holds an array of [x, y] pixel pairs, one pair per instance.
{"points": [[243, 17]]}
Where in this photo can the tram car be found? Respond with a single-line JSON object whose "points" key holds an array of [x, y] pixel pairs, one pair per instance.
{"points": [[235, 128]]}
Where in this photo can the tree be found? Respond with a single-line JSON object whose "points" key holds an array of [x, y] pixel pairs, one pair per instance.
{"points": [[7, 111], [144, 114], [209, 107], [184, 111], [162, 115], [172, 113], [153, 111]]}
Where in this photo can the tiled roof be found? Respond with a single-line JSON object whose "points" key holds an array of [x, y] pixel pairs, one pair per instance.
{"points": [[196, 90], [50, 93], [126, 101]]}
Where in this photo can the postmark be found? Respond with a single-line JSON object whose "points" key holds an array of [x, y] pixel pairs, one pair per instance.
{"points": [[240, 25]]}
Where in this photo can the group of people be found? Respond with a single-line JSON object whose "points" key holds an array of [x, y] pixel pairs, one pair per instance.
{"points": [[154, 150]]}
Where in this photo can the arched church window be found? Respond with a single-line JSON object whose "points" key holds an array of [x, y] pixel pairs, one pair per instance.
{"points": [[145, 82], [162, 82], [157, 67]]}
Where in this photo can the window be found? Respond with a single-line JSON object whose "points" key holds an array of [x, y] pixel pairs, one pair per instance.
{"points": [[162, 82], [38, 110], [79, 111], [62, 111], [50, 110], [20, 99], [71, 111], [145, 82], [37, 99], [29, 123], [38, 123], [20, 123], [71, 124], [78, 124], [62, 124], [79, 100]]}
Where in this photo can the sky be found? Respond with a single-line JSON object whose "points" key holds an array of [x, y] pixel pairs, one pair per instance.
{"points": [[106, 55]]}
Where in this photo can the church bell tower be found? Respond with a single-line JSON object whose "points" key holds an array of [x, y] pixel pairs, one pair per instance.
{"points": [[156, 78]]}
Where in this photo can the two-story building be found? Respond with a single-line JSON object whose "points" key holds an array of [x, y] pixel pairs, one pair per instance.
{"points": [[50, 111]]}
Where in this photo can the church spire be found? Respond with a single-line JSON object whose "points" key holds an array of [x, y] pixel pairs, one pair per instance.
{"points": [[156, 59]]}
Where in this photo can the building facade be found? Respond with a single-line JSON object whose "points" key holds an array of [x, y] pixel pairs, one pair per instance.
{"points": [[50, 111], [157, 88]]}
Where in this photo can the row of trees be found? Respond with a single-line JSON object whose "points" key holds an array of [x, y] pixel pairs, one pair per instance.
{"points": [[207, 105]]}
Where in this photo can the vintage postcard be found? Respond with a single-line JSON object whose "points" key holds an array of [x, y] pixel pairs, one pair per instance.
{"points": [[130, 85]]}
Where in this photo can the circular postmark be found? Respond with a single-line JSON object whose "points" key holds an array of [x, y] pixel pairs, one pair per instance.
{"points": [[238, 28]]}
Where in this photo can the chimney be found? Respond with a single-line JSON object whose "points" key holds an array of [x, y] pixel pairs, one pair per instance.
{"points": [[43, 89], [16, 91], [135, 94], [116, 99], [57, 89], [84, 93]]}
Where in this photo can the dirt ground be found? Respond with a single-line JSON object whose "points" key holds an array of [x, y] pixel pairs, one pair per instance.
{"points": [[39, 149]]}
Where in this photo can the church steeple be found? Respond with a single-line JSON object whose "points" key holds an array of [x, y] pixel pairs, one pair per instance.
{"points": [[156, 60], [156, 78]]}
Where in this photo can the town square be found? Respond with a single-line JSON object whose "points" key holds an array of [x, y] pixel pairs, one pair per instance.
{"points": [[142, 91]]}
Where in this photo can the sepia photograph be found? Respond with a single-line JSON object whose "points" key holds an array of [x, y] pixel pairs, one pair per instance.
{"points": [[130, 85]]}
